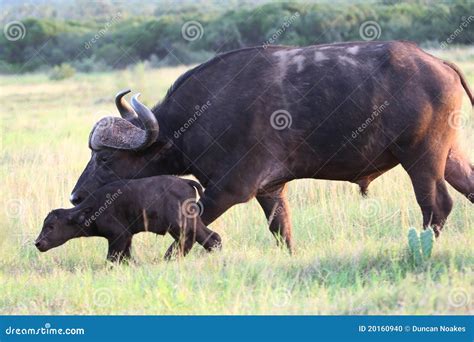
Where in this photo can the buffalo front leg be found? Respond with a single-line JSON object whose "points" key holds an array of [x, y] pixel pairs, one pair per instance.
{"points": [[277, 210], [119, 248]]}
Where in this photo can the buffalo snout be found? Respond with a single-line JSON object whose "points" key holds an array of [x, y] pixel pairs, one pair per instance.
{"points": [[76, 198]]}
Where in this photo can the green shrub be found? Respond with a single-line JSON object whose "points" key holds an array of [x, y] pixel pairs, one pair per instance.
{"points": [[61, 72], [120, 41]]}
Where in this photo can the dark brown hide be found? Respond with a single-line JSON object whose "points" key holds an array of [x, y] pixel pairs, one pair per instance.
{"points": [[347, 112], [121, 209]]}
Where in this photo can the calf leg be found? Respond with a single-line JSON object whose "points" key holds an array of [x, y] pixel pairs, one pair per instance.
{"points": [[276, 208], [119, 248], [214, 203], [459, 173], [184, 236], [210, 240]]}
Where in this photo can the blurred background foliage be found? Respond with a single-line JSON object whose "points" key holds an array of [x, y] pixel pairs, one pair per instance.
{"points": [[101, 35]]}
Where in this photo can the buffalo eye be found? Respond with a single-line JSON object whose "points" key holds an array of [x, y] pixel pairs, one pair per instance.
{"points": [[104, 159]]}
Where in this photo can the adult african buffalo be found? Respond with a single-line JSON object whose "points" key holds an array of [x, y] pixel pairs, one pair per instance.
{"points": [[248, 121]]}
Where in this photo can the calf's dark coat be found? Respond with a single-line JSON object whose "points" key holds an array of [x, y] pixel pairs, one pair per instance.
{"points": [[118, 210], [279, 113]]}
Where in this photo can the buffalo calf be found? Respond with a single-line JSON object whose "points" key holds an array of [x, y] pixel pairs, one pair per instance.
{"points": [[117, 211]]}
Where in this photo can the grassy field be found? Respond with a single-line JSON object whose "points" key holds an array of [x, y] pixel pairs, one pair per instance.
{"points": [[351, 253]]}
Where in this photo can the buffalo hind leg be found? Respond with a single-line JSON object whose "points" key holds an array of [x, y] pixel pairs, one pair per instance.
{"points": [[431, 194], [459, 173], [276, 208]]}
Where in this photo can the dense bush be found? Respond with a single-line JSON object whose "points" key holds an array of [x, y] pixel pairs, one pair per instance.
{"points": [[61, 72], [118, 39]]}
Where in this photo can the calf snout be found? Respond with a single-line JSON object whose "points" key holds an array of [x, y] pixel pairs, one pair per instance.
{"points": [[41, 245]]}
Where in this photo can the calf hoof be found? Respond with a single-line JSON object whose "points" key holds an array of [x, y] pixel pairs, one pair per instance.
{"points": [[470, 197], [214, 243]]}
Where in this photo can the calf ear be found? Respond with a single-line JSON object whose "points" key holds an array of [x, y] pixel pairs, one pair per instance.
{"points": [[83, 216]]}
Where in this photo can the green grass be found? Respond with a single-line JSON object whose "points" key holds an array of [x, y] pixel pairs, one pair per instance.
{"points": [[351, 253]]}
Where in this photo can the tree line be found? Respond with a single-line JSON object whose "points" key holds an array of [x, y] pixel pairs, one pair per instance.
{"points": [[120, 38]]}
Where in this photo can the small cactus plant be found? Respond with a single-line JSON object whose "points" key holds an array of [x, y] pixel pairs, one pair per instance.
{"points": [[414, 245], [420, 245], [427, 240]]}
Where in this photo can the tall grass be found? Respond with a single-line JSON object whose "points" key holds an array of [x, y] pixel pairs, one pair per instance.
{"points": [[351, 253]]}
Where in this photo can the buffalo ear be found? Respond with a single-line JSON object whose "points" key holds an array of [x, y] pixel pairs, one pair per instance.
{"points": [[162, 148]]}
